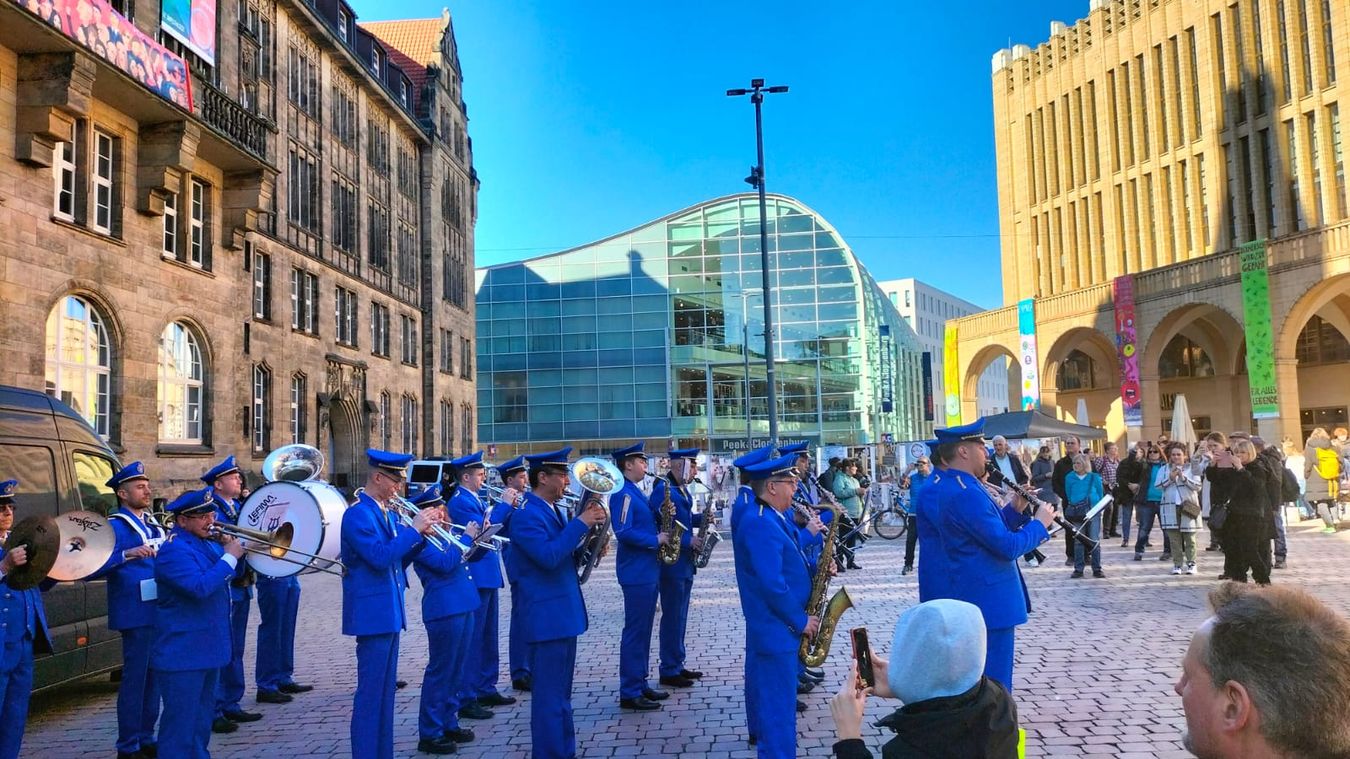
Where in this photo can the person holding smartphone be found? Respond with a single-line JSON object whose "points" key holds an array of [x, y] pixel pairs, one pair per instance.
{"points": [[936, 669]]}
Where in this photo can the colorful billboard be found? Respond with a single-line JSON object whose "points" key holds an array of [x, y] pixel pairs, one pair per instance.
{"points": [[1127, 350], [1260, 336], [1031, 377], [951, 375], [193, 23]]}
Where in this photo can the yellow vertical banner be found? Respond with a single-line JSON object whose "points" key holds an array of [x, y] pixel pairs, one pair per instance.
{"points": [[951, 375]]}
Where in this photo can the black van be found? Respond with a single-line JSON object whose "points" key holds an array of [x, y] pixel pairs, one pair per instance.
{"points": [[61, 465]]}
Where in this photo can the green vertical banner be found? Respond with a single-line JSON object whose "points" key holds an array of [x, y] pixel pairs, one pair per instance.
{"points": [[1260, 336], [951, 376]]}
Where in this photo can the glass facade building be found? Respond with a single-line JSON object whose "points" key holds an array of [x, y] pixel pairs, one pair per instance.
{"points": [[656, 334]]}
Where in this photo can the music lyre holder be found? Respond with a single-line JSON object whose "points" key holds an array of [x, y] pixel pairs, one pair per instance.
{"points": [[1077, 534]]}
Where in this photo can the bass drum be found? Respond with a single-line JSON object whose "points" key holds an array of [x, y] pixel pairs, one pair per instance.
{"points": [[314, 512]]}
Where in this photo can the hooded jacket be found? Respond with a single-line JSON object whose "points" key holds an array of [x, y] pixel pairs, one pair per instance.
{"points": [[978, 724]]}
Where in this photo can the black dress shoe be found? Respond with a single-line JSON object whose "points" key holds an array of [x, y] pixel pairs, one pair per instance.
{"points": [[816, 673], [752, 740], [801, 707], [654, 694], [522, 684], [460, 735], [436, 746], [295, 688], [805, 686], [151, 751], [854, 565], [677, 681], [222, 725], [475, 710], [400, 684], [243, 716], [273, 697], [496, 699], [640, 704], [692, 674]]}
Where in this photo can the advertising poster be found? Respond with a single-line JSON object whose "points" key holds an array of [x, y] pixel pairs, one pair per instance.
{"points": [[1256, 323], [1127, 350], [193, 23], [1031, 378], [926, 363], [951, 375]]}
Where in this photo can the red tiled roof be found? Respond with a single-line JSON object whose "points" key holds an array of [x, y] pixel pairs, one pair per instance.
{"points": [[412, 44]]}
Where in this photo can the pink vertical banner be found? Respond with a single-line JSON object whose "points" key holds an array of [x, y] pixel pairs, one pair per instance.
{"points": [[1127, 350]]}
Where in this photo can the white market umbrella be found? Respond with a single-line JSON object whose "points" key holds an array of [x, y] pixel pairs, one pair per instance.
{"points": [[1182, 429], [1082, 412]]}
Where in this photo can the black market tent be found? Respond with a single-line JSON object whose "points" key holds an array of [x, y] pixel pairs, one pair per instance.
{"points": [[1020, 425]]}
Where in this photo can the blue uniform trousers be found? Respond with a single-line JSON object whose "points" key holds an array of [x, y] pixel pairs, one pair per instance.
{"points": [[189, 706], [373, 705], [230, 686], [278, 607], [635, 648], [998, 660], [552, 734], [771, 697], [138, 693], [16, 683], [480, 677], [674, 618], [518, 653], [751, 714], [447, 651]]}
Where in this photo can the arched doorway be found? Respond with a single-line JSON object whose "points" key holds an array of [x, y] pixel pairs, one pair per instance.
{"points": [[1195, 351], [343, 422], [1081, 366], [1315, 340], [977, 377], [342, 446]]}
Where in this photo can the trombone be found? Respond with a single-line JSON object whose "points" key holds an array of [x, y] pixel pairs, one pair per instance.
{"points": [[277, 542]]}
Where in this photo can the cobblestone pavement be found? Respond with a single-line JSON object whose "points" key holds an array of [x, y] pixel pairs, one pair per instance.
{"points": [[1095, 667]]}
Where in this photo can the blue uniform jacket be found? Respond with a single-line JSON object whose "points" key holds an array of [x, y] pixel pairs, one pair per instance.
{"points": [[981, 550], [684, 513], [227, 510], [464, 507], [635, 525], [375, 550], [501, 514], [447, 588], [777, 585], [126, 610], [549, 593], [744, 497], [192, 621], [22, 611]]}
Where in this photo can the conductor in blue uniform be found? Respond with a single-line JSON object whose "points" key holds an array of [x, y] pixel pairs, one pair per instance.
{"points": [[776, 590], [637, 528], [23, 631], [979, 547], [480, 677], [192, 623], [130, 573], [449, 599], [227, 483], [677, 580], [376, 548], [515, 482], [544, 541]]}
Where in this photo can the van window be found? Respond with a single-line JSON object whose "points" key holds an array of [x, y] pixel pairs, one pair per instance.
{"points": [[92, 473], [35, 469]]}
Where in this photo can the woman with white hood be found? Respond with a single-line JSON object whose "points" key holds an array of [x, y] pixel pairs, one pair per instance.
{"points": [[936, 669]]}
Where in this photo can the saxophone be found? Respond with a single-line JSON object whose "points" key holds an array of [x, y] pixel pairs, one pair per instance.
{"points": [[708, 537], [670, 552], [815, 649]]}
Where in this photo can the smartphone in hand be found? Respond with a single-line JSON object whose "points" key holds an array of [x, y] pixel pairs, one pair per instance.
{"points": [[862, 654]]}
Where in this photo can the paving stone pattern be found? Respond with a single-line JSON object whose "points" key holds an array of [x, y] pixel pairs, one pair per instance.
{"points": [[1094, 674]]}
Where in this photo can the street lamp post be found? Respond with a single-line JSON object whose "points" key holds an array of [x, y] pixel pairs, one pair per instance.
{"points": [[756, 179]]}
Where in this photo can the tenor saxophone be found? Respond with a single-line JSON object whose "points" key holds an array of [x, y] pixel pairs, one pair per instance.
{"points": [[670, 552], [816, 648], [709, 537]]}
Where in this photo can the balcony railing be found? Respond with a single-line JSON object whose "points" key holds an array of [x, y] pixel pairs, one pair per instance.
{"points": [[220, 111]]}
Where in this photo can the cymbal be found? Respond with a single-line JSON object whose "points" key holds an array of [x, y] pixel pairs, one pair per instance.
{"points": [[42, 537], [87, 540]]}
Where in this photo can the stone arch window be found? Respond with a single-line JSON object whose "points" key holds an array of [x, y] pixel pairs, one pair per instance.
{"points": [[1321, 343], [79, 360], [1077, 372], [1184, 358], [182, 380], [386, 410]]}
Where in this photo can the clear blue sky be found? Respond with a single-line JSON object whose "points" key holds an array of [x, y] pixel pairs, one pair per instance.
{"points": [[589, 118]]}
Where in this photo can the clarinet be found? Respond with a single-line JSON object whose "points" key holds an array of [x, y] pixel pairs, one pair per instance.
{"points": [[1036, 502]]}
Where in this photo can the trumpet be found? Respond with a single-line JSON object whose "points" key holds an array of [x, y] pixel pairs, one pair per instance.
{"points": [[497, 492], [277, 542], [446, 533]]}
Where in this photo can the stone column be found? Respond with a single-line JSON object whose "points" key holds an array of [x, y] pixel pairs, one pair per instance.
{"points": [[1286, 390], [1151, 401]]}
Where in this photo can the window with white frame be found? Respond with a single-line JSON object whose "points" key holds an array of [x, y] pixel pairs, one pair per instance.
{"points": [[262, 408], [299, 418], [344, 22], [304, 301], [171, 225], [199, 241], [408, 354], [79, 360], [345, 313], [385, 422], [375, 58], [262, 284], [101, 184], [63, 177], [379, 330], [181, 380], [408, 424]]}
